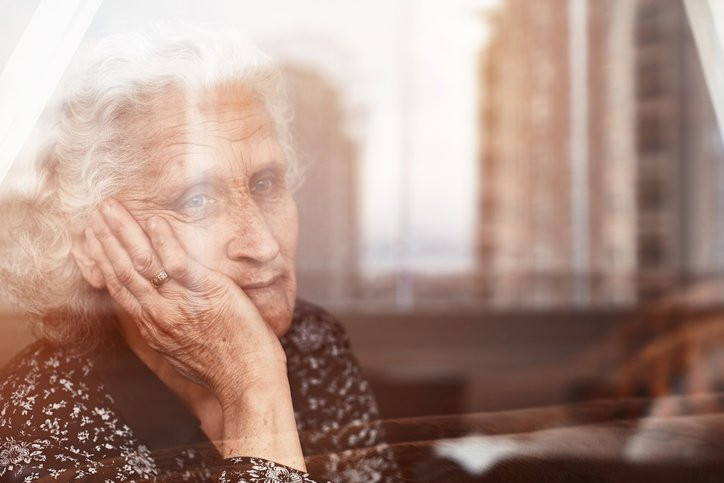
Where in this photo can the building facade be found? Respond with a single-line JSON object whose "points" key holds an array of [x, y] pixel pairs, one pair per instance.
{"points": [[600, 179]]}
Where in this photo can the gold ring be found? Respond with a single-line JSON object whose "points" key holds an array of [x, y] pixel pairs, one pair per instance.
{"points": [[160, 279]]}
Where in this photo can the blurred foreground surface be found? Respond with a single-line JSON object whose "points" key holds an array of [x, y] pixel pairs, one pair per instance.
{"points": [[622, 440]]}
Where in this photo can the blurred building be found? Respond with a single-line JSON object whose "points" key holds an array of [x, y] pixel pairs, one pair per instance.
{"points": [[530, 189], [680, 156], [327, 258], [601, 172]]}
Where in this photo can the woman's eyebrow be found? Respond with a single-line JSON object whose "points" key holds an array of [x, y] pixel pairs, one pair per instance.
{"points": [[209, 181]]}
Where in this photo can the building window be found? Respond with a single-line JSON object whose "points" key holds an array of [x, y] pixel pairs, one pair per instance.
{"points": [[650, 133], [650, 195], [651, 253], [650, 81]]}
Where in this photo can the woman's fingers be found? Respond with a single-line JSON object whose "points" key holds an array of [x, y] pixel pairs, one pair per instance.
{"points": [[132, 238], [115, 288], [174, 258], [136, 259], [129, 289], [121, 263]]}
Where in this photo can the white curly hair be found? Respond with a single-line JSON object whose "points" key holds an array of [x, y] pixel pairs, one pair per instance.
{"points": [[88, 156]]}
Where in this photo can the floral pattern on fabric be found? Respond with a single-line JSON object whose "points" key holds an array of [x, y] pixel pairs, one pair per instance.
{"points": [[58, 420], [261, 470]]}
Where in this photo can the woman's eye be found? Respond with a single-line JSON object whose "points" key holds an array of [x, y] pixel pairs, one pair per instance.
{"points": [[197, 202], [262, 186]]}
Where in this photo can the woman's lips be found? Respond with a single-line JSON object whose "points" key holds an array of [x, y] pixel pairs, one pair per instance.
{"points": [[261, 284]]}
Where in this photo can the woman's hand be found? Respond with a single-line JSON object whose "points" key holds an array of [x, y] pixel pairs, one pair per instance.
{"points": [[200, 320], [205, 326]]}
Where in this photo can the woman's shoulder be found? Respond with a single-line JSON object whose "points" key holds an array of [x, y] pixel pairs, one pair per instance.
{"points": [[56, 417], [41, 375], [42, 360], [334, 405], [327, 384]]}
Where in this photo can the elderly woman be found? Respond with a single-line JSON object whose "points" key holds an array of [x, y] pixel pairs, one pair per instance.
{"points": [[157, 255]]}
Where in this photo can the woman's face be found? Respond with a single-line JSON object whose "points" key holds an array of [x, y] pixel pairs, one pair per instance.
{"points": [[216, 172]]}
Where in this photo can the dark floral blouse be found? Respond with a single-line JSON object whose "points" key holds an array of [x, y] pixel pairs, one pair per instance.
{"points": [[107, 417]]}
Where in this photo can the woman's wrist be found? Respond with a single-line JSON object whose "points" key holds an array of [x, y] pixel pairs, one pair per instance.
{"points": [[260, 422], [264, 380], [253, 390], [242, 372]]}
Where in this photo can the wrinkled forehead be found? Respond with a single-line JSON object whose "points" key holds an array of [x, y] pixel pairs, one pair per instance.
{"points": [[226, 128]]}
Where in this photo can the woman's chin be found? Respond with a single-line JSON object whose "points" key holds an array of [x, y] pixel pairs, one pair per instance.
{"points": [[275, 306]]}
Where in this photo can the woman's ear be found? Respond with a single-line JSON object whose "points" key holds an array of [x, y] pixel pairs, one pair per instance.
{"points": [[88, 266]]}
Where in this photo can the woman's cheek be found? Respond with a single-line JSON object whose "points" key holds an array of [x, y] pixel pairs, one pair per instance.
{"points": [[199, 242], [287, 227]]}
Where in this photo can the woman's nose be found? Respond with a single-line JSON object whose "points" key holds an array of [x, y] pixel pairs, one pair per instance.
{"points": [[252, 238]]}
